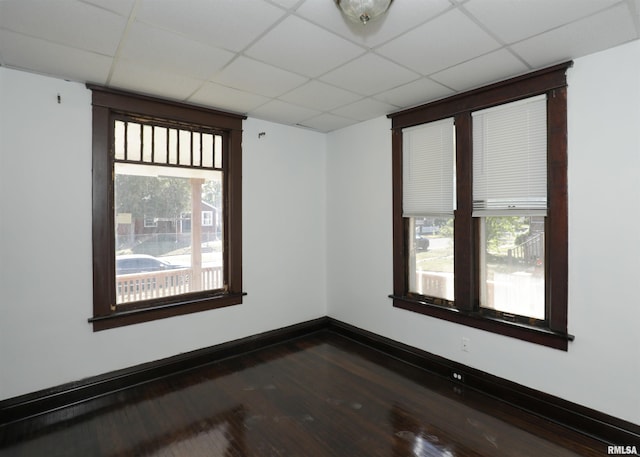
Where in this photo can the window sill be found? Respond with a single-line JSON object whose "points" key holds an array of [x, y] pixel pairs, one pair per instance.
{"points": [[537, 335], [136, 316]]}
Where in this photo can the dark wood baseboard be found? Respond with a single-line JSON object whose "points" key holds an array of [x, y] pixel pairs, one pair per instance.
{"points": [[603, 427], [606, 428], [44, 401]]}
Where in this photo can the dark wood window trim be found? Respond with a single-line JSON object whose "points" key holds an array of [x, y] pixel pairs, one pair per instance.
{"points": [[107, 104], [466, 310]]}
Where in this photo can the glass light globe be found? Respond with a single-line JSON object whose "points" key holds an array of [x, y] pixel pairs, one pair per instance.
{"points": [[363, 10]]}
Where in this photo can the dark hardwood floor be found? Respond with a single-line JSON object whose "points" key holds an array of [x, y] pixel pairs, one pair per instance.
{"points": [[321, 395]]}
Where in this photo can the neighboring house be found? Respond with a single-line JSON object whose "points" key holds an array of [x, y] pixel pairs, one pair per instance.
{"points": [[210, 220], [135, 230]]}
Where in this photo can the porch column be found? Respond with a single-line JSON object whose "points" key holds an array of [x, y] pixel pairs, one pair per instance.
{"points": [[196, 234]]}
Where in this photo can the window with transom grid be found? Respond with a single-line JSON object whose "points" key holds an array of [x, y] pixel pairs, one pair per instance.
{"points": [[167, 209]]}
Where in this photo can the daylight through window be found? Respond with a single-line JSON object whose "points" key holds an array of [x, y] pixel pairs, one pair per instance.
{"points": [[167, 209], [181, 175], [480, 208]]}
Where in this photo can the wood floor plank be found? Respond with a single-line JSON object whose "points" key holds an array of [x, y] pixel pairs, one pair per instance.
{"points": [[320, 395]]}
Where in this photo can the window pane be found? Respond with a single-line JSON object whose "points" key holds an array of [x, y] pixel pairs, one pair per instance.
{"points": [[160, 249], [160, 149], [428, 176], [147, 143], [173, 146], [119, 140], [217, 163], [197, 151], [431, 257], [207, 150], [133, 151], [512, 265], [510, 157], [184, 147]]}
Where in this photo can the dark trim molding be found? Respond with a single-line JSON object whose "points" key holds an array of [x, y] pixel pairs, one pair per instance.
{"points": [[533, 334], [528, 85], [134, 316], [124, 101], [107, 105], [47, 400], [603, 427], [595, 424], [466, 307]]}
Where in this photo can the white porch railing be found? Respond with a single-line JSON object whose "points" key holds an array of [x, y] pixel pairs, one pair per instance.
{"points": [[145, 286], [517, 293], [434, 284]]}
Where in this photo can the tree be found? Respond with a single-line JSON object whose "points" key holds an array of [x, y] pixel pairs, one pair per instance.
{"points": [[496, 227], [212, 191], [154, 197]]}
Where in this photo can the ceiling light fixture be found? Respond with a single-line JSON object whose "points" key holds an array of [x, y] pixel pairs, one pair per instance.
{"points": [[363, 11]]}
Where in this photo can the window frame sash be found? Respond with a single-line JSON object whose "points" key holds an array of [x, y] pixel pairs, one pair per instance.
{"points": [[504, 315], [443, 203], [525, 195], [550, 81], [107, 106]]}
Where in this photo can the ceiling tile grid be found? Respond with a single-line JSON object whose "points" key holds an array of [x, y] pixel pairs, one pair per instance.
{"points": [[301, 47], [300, 62], [448, 40], [93, 29], [369, 75]]}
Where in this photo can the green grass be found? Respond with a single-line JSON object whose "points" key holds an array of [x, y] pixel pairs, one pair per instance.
{"points": [[435, 260]]}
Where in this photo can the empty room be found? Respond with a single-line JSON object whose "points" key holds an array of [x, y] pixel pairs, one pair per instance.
{"points": [[319, 227]]}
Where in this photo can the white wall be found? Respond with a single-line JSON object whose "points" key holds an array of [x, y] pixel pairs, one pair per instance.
{"points": [[45, 242], [294, 180], [602, 367]]}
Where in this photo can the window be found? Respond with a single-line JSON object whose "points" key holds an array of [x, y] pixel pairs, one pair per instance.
{"points": [[428, 203], [207, 218], [510, 201], [480, 208], [148, 221], [155, 164]]}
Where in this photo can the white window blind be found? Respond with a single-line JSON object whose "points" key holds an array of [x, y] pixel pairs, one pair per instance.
{"points": [[428, 169], [510, 159]]}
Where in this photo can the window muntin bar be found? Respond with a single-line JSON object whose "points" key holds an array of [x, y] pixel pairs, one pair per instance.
{"points": [[148, 143]]}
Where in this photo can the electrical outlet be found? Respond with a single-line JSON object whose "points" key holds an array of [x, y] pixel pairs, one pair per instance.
{"points": [[457, 376], [466, 344]]}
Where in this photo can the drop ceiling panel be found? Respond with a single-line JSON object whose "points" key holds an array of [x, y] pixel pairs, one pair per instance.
{"points": [[414, 93], [286, 3], [229, 24], [516, 20], [365, 109], [402, 15], [595, 33], [448, 40], [301, 62], [258, 78], [491, 67], [172, 52], [48, 58], [285, 113], [302, 47], [94, 29], [369, 74], [137, 77], [121, 7], [316, 94], [227, 98], [328, 122]]}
